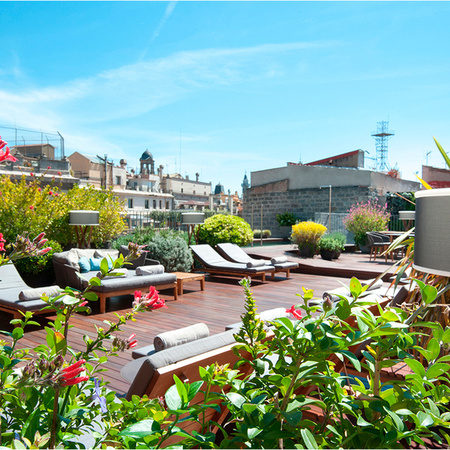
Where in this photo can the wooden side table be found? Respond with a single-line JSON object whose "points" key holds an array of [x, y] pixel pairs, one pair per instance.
{"points": [[184, 277]]}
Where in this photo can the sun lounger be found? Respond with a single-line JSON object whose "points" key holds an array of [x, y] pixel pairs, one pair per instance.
{"points": [[236, 254], [214, 263], [16, 295]]}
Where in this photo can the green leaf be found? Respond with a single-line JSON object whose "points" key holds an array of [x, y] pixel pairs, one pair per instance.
{"points": [[355, 287], [427, 291], [139, 429], [446, 336], [343, 309], [69, 300], [354, 360], [425, 419], [95, 281], [390, 316], [91, 296], [362, 422], [193, 389], [17, 333], [253, 432], [398, 422], [442, 151], [181, 388], [308, 438], [416, 367], [236, 399], [433, 349], [436, 370], [104, 266], [173, 399]]}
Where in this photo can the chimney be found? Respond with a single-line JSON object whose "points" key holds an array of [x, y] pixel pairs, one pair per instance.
{"points": [[196, 176]]}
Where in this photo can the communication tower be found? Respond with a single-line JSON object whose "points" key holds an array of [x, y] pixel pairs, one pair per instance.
{"points": [[382, 135]]}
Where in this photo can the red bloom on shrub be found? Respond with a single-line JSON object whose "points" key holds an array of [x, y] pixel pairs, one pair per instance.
{"points": [[130, 342], [69, 375], [295, 312], [50, 193], [31, 174], [151, 301], [31, 207], [2, 243], [59, 173], [4, 154], [49, 167]]}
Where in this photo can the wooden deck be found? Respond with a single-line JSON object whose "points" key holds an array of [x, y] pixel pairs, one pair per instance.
{"points": [[220, 304]]}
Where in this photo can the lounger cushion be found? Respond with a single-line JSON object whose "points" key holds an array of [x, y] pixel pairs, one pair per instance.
{"points": [[146, 367], [34, 294], [121, 273], [149, 270]]}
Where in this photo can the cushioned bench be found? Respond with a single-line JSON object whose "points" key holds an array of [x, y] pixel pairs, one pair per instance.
{"points": [[68, 267], [16, 295]]}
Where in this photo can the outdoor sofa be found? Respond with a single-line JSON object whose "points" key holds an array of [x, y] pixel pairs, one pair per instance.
{"points": [[234, 253], [16, 295], [70, 270], [214, 263]]}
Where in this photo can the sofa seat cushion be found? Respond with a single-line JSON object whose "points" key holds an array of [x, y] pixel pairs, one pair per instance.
{"points": [[10, 298], [142, 370], [132, 281]]}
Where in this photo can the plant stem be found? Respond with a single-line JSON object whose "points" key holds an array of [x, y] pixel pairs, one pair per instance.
{"points": [[52, 441]]}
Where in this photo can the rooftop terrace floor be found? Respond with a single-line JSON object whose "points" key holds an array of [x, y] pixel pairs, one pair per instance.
{"points": [[220, 304]]}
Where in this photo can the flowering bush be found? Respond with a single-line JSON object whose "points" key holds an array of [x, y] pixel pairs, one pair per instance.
{"points": [[51, 394], [307, 235], [365, 217], [223, 228]]}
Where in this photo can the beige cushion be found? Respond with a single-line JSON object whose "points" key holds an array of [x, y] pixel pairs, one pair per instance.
{"points": [[173, 338], [33, 294], [150, 270]]}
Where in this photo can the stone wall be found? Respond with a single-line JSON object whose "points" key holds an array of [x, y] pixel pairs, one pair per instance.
{"points": [[276, 198]]}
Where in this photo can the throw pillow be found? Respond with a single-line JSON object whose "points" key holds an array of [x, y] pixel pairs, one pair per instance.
{"points": [[95, 263], [85, 265]]}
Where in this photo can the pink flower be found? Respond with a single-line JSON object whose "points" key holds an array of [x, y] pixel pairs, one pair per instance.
{"points": [[49, 167], [81, 305], [151, 301], [31, 174], [50, 193], [130, 342], [2, 243], [295, 312], [69, 375], [59, 173], [39, 189], [31, 207], [43, 251]]}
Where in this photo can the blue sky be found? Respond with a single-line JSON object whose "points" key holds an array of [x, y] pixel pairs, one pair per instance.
{"points": [[225, 88]]}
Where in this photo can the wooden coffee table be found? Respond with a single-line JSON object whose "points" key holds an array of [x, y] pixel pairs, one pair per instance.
{"points": [[184, 277]]}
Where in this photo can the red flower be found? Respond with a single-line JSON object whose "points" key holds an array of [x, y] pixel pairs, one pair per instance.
{"points": [[69, 375], [83, 304], [2, 243], [59, 173], [50, 193], [39, 189], [295, 312], [49, 167], [151, 301], [31, 174], [5, 155], [31, 207]]}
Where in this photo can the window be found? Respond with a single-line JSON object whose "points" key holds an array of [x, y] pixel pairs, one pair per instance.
{"points": [[118, 180], [147, 204], [160, 205], [193, 191], [167, 205], [154, 204], [181, 190], [130, 203]]}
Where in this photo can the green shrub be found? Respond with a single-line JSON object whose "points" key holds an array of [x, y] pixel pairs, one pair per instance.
{"points": [[222, 228], [266, 233], [286, 219], [39, 264], [333, 242], [171, 251], [256, 234], [140, 236]]}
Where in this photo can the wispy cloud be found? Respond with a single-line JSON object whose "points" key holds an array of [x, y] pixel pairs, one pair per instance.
{"points": [[167, 13]]}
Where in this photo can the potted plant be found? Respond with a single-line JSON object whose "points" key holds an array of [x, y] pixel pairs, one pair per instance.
{"points": [[285, 221], [331, 245], [307, 235], [365, 217]]}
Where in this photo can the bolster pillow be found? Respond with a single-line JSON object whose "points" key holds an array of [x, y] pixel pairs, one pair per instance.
{"points": [[251, 264], [181, 336], [34, 294], [150, 270], [278, 260]]}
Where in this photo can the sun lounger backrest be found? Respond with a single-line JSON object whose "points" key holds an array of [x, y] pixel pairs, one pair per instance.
{"points": [[152, 378], [234, 253], [10, 278], [207, 255]]}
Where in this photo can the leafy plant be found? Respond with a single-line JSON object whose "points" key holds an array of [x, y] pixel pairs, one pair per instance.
{"points": [[171, 251], [307, 235], [265, 234], [286, 219], [365, 217], [332, 241], [225, 228]]}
